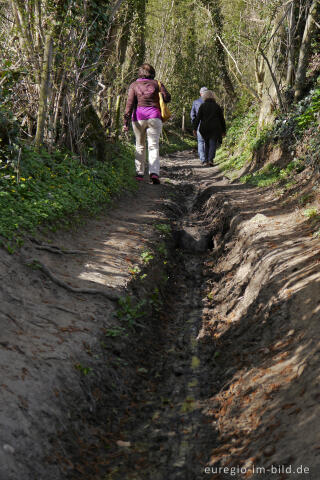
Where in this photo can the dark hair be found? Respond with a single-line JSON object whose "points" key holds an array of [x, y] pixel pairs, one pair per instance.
{"points": [[146, 71]]}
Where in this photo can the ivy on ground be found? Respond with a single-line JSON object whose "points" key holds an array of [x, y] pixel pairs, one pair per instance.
{"points": [[52, 188]]}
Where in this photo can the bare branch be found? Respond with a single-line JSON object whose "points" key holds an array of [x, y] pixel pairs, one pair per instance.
{"points": [[230, 55]]}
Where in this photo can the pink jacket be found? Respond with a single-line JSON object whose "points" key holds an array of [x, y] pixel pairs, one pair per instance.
{"points": [[144, 93]]}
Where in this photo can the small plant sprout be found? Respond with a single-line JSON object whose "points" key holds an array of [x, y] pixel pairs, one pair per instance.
{"points": [[82, 369], [147, 256], [163, 228], [129, 311], [162, 250], [115, 332], [134, 270], [311, 213]]}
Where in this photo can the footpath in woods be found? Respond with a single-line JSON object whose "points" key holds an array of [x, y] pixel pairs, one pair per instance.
{"points": [[207, 366]]}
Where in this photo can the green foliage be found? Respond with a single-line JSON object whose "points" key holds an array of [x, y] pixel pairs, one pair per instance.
{"points": [[240, 142], [302, 116], [306, 198], [84, 370], [34, 265], [114, 332], [311, 113], [163, 228], [181, 44], [135, 270], [264, 177], [147, 256], [174, 141], [130, 311], [271, 174], [9, 131], [312, 213], [243, 140], [162, 250], [52, 188], [154, 300]]}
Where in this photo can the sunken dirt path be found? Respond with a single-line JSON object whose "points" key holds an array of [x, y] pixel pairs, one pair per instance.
{"points": [[211, 368]]}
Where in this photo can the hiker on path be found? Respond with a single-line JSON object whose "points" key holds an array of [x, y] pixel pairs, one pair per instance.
{"points": [[212, 125], [193, 114], [143, 109]]}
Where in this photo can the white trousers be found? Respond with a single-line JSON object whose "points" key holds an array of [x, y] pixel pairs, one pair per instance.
{"points": [[151, 129]]}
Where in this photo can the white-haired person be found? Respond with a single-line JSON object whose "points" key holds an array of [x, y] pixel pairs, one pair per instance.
{"points": [[193, 114], [212, 125]]}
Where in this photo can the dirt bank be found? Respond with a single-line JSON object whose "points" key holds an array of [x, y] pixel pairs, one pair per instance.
{"points": [[210, 361]]}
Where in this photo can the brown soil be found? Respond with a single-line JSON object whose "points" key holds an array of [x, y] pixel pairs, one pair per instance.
{"points": [[211, 366]]}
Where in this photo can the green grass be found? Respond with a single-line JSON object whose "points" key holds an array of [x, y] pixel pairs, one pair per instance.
{"points": [[239, 143], [264, 177], [272, 174]]}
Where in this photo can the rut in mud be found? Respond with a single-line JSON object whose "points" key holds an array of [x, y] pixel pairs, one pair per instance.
{"points": [[209, 364]]}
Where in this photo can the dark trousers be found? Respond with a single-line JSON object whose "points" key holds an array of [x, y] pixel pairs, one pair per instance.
{"points": [[210, 149]]}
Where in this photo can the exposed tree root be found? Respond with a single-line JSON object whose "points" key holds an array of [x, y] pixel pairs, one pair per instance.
{"points": [[67, 310], [110, 296], [54, 249]]}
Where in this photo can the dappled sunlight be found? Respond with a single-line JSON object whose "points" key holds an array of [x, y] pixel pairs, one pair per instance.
{"points": [[263, 301]]}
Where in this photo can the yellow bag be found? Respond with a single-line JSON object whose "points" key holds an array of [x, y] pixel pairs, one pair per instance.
{"points": [[165, 112]]}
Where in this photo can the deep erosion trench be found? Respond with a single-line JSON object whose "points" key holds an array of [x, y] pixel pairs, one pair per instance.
{"points": [[206, 368]]}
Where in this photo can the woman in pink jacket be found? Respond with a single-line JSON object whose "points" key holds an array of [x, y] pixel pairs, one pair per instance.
{"points": [[144, 110]]}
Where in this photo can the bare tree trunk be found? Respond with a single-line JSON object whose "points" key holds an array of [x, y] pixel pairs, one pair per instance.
{"points": [[305, 49], [44, 89], [275, 81], [183, 124], [116, 7], [291, 28], [23, 28], [259, 71], [39, 30], [117, 119], [271, 93], [58, 107], [109, 110]]}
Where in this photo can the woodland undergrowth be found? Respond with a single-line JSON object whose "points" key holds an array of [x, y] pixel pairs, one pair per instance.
{"points": [[296, 134], [54, 190]]}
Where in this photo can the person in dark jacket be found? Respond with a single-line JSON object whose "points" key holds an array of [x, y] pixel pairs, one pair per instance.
{"points": [[143, 109], [212, 125], [193, 114]]}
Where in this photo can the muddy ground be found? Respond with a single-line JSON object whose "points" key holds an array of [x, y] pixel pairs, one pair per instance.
{"points": [[208, 367]]}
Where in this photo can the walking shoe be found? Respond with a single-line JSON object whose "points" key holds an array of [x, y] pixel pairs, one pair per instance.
{"points": [[139, 178], [154, 178]]}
